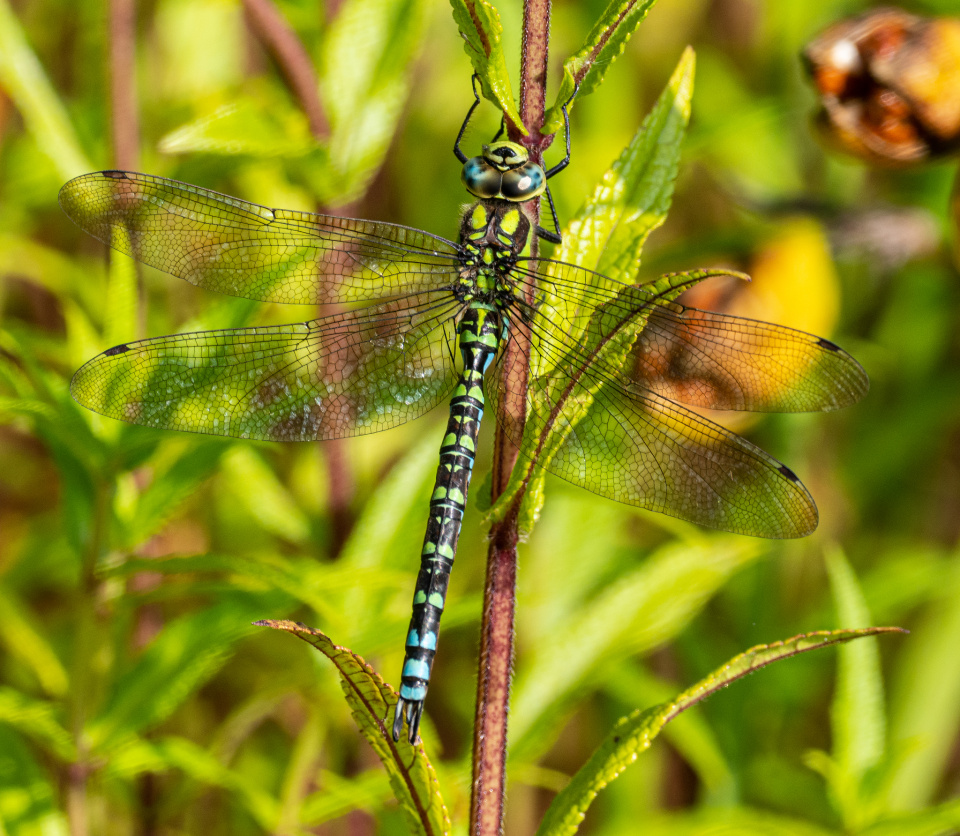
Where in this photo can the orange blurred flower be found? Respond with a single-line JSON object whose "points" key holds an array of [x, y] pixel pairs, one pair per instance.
{"points": [[889, 85]]}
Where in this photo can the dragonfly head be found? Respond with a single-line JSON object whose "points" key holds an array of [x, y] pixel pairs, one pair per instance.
{"points": [[503, 171]]}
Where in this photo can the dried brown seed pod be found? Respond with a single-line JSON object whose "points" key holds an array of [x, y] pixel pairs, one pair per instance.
{"points": [[889, 85]]}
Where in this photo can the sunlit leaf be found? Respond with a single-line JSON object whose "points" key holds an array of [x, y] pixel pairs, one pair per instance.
{"points": [[925, 696], [262, 496], [246, 126], [24, 640], [27, 84], [642, 610], [38, 721], [137, 756], [635, 733], [186, 653], [857, 715], [365, 74], [603, 45], [28, 797], [372, 702], [479, 24]]}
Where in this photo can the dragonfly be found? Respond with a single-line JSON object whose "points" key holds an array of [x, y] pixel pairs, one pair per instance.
{"points": [[614, 375]]}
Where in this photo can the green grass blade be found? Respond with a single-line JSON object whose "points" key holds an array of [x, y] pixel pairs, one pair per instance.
{"points": [[29, 798], [635, 733], [24, 79], [366, 74], [139, 756], [272, 128], [940, 820], [644, 609], [603, 45], [925, 712], [479, 24], [185, 654], [23, 640], [372, 702], [262, 496], [180, 467], [633, 197], [339, 796], [857, 715], [36, 720]]}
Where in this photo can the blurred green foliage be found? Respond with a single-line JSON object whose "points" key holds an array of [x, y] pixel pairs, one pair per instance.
{"points": [[135, 695]]}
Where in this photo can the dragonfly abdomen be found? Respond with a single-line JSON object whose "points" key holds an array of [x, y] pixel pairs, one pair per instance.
{"points": [[480, 333]]}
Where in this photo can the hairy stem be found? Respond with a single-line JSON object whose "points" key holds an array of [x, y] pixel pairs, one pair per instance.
{"points": [[499, 605]]}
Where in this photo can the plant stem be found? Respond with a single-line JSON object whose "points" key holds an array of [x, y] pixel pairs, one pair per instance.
{"points": [[499, 604]]}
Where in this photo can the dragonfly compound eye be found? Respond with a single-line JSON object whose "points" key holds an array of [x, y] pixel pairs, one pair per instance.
{"points": [[480, 178], [523, 183]]}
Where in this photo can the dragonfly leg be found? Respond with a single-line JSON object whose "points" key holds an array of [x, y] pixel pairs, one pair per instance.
{"points": [[476, 102]]}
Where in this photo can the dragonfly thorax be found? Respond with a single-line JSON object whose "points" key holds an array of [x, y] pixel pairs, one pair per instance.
{"points": [[504, 171]]}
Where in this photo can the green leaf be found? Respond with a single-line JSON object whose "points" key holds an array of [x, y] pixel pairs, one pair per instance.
{"points": [[366, 74], [262, 495], [246, 126], [185, 654], [339, 796], [37, 720], [857, 715], [635, 733], [28, 799], [24, 80], [641, 611], [940, 820], [372, 702], [137, 756], [23, 640], [633, 197], [691, 734], [479, 24], [607, 235], [181, 466], [602, 46], [317, 585], [925, 697]]}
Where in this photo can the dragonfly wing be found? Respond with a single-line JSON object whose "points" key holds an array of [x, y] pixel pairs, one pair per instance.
{"points": [[702, 359], [229, 245], [348, 374], [635, 446], [718, 361]]}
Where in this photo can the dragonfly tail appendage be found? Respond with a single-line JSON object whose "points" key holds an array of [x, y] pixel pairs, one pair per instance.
{"points": [[480, 332]]}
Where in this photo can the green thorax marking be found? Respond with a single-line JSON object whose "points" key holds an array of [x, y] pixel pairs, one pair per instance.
{"points": [[493, 234]]}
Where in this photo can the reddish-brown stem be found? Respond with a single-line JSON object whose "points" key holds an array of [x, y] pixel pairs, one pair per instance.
{"points": [[291, 57], [285, 48], [499, 605], [123, 93]]}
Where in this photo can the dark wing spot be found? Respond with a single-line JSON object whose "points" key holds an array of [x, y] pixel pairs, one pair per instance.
{"points": [[113, 174], [827, 344], [786, 471], [117, 349]]}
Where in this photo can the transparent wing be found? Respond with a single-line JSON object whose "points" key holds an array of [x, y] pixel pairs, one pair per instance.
{"points": [[625, 433], [343, 375], [242, 249], [704, 359], [717, 361], [637, 447]]}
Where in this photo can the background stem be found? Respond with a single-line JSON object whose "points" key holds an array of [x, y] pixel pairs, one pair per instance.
{"points": [[499, 604]]}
